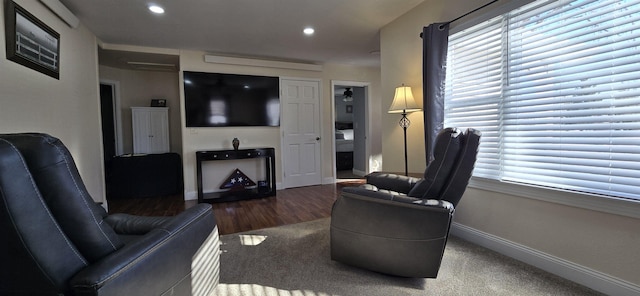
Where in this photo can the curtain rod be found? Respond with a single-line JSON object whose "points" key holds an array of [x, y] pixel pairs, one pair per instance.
{"points": [[468, 13]]}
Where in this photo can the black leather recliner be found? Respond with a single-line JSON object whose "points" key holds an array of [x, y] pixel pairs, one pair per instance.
{"points": [[399, 225], [57, 241]]}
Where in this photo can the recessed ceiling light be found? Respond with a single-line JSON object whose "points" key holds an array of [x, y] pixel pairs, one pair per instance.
{"points": [[156, 9], [308, 31]]}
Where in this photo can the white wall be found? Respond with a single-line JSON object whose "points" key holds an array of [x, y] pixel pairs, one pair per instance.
{"points": [[599, 247], [137, 88], [195, 139], [67, 108]]}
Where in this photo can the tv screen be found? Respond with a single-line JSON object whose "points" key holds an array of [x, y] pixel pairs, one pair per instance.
{"points": [[215, 99]]}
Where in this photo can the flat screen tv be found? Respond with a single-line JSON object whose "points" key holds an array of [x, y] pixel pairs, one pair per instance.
{"points": [[216, 100]]}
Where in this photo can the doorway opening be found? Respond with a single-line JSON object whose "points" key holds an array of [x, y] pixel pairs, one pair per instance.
{"points": [[350, 105], [111, 118], [111, 125]]}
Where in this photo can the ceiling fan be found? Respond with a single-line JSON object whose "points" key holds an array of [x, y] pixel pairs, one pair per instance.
{"points": [[347, 95]]}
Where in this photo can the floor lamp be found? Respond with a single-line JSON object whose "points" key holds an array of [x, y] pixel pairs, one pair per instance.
{"points": [[404, 103]]}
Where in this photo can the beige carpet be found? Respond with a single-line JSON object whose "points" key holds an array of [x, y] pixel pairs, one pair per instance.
{"points": [[295, 260]]}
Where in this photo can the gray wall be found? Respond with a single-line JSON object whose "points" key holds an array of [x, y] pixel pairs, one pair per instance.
{"points": [[359, 129]]}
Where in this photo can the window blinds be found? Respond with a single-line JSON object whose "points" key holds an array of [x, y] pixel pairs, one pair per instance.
{"points": [[474, 87], [555, 88]]}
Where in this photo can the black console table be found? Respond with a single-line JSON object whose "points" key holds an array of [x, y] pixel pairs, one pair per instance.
{"points": [[265, 190]]}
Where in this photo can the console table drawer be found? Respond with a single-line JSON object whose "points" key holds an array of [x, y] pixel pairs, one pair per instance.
{"points": [[215, 155], [254, 153]]}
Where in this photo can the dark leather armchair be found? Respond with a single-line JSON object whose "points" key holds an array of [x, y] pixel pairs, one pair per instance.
{"points": [[57, 241], [399, 225]]}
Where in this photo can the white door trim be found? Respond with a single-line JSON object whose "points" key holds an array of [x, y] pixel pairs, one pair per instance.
{"points": [[367, 145]]}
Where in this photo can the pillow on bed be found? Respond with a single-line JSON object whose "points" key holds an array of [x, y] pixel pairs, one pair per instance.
{"points": [[348, 134]]}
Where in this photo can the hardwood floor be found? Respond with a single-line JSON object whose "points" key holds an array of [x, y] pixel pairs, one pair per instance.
{"points": [[289, 206]]}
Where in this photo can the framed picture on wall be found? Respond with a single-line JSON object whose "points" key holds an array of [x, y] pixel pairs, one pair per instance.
{"points": [[158, 103], [30, 42]]}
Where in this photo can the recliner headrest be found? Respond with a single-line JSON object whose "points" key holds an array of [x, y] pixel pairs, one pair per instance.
{"points": [[61, 187], [447, 146], [460, 175], [444, 140]]}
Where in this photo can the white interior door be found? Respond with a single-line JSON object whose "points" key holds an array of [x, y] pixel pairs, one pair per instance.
{"points": [[301, 132]]}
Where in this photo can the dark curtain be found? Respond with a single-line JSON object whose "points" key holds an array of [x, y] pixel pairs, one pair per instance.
{"points": [[435, 39]]}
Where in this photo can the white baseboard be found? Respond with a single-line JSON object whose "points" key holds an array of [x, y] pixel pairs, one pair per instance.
{"points": [[328, 180], [574, 272], [190, 195], [359, 173]]}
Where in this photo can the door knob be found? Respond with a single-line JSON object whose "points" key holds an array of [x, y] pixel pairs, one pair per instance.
{"points": [[317, 138]]}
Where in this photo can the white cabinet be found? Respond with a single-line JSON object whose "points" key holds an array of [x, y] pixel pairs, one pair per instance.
{"points": [[150, 129]]}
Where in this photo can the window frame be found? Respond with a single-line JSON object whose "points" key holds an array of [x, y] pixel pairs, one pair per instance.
{"points": [[594, 202], [611, 205]]}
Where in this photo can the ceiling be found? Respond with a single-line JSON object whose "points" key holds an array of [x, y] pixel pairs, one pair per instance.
{"points": [[346, 31]]}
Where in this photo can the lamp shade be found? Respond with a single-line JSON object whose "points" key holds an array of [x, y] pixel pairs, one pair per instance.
{"points": [[403, 101]]}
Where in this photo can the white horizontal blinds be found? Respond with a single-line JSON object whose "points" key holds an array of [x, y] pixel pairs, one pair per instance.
{"points": [[572, 103], [474, 88], [558, 100]]}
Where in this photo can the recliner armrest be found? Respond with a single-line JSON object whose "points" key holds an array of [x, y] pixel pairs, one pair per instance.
{"points": [[135, 225], [393, 182], [397, 197], [367, 190], [163, 257]]}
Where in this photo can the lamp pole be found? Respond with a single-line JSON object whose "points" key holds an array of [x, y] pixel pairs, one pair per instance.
{"points": [[403, 103], [404, 123]]}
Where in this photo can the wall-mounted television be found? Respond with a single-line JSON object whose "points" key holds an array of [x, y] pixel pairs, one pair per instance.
{"points": [[217, 99]]}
